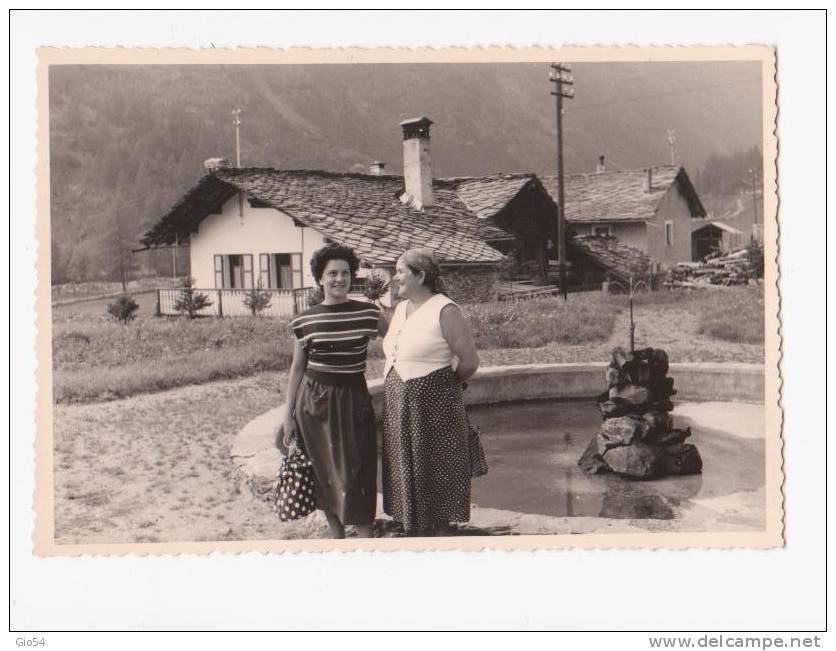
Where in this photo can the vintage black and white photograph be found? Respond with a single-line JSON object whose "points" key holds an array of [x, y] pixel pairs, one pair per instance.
{"points": [[382, 303]]}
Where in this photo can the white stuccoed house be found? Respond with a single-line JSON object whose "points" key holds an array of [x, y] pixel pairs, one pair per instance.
{"points": [[251, 227]]}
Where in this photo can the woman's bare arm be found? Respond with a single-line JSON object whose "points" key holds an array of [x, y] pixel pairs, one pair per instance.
{"points": [[456, 331], [297, 371]]}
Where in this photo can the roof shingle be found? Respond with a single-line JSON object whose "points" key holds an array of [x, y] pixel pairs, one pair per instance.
{"points": [[621, 196], [619, 259], [362, 210]]}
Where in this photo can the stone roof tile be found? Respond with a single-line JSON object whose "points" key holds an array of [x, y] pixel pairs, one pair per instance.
{"points": [[621, 195]]}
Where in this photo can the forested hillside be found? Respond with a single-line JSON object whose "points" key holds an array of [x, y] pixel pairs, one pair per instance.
{"points": [[127, 141]]}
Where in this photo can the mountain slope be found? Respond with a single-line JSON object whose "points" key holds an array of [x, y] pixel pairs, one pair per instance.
{"points": [[127, 141]]}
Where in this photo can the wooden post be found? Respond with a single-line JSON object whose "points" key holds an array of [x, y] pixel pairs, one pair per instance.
{"points": [[293, 297], [220, 303], [158, 304]]}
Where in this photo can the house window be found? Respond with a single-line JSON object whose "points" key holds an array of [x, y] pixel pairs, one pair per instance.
{"points": [[234, 271], [280, 270], [359, 285], [669, 233], [601, 231]]}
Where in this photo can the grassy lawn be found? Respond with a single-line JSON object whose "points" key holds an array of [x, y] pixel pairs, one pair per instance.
{"points": [[96, 359], [735, 315], [587, 318]]}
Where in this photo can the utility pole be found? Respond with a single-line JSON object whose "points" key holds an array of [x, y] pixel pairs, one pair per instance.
{"points": [[754, 201], [560, 76], [671, 143]]}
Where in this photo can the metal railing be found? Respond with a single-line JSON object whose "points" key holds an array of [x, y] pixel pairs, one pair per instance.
{"points": [[231, 302]]}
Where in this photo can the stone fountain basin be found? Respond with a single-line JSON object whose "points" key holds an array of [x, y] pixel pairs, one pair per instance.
{"points": [[256, 458]]}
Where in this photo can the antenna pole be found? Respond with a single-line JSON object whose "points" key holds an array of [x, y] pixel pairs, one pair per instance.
{"points": [[671, 143], [236, 121]]}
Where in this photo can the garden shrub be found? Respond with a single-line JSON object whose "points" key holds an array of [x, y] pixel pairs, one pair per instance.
{"points": [[123, 309]]}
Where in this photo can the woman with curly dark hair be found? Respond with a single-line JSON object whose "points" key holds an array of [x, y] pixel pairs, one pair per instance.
{"points": [[329, 411]]}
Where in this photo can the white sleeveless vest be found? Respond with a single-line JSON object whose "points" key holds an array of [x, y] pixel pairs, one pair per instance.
{"points": [[415, 346]]}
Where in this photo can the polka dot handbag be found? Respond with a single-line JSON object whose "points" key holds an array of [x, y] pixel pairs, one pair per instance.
{"points": [[295, 488]]}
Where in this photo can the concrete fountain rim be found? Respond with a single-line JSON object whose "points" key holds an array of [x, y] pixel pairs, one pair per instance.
{"points": [[256, 458]]}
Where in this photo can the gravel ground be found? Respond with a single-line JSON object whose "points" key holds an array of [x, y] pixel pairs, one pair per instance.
{"points": [[156, 468]]}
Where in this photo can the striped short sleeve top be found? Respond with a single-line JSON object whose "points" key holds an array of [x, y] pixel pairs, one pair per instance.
{"points": [[335, 338]]}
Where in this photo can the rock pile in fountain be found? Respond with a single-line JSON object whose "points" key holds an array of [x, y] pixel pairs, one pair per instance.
{"points": [[637, 438]]}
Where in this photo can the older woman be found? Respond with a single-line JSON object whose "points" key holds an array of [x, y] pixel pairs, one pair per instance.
{"points": [[429, 353], [328, 403]]}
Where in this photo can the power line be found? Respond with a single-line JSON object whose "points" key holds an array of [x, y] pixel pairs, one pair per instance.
{"points": [[657, 72], [692, 89]]}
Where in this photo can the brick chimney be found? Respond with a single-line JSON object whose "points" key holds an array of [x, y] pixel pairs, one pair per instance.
{"points": [[601, 167], [648, 180], [376, 168], [417, 172]]}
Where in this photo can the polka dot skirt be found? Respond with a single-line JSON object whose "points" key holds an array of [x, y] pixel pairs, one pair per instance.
{"points": [[426, 462]]}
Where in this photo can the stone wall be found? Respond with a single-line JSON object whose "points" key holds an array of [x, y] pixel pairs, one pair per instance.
{"points": [[470, 283]]}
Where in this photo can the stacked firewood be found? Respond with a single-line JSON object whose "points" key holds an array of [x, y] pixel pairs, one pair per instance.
{"points": [[721, 270], [637, 438]]}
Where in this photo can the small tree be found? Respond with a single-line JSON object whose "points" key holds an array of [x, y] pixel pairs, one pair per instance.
{"points": [[257, 299], [376, 287], [316, 296], [123, 309], [191, 301]]}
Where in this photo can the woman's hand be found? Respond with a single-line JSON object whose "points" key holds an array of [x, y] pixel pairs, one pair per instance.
{"points": [[456, 331], [286, 436]]}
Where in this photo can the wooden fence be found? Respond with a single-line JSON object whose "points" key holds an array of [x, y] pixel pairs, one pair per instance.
{"points": [[230, 302]]}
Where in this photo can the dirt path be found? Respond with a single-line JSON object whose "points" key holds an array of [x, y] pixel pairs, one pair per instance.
{"points": [[98, 306]]}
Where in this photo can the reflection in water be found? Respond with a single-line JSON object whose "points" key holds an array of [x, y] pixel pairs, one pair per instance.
{"points": [[533, 449]]}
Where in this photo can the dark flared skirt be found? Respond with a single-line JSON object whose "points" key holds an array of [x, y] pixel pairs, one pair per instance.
{"points": [[426, 462], [338, 433]]}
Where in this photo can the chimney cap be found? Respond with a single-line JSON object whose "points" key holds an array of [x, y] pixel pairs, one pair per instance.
{"points": [[416, 127], [212, 164]]}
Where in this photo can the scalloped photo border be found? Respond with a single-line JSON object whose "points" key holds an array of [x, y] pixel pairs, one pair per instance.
{"points": [[773, 533]]}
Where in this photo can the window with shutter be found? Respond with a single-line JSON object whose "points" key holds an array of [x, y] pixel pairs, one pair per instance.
{"points": [[219, 272], [264, 269], [296, 267], [248, 271]]}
